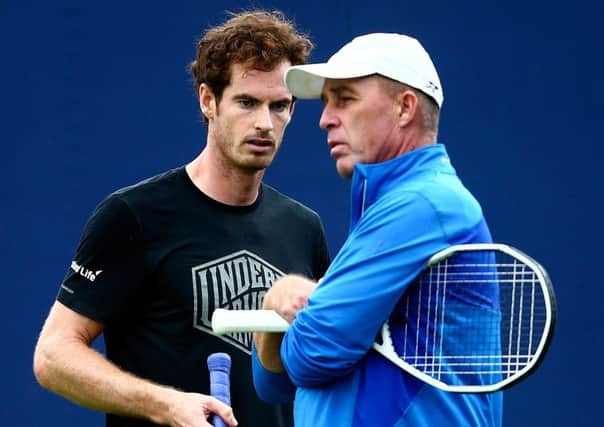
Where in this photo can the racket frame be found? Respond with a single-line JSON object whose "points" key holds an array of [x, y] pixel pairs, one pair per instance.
{"points": [[387, 350]]}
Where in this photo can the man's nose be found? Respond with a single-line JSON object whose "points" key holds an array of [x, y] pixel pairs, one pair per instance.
{"points": [[328, 118], [263, 120]]}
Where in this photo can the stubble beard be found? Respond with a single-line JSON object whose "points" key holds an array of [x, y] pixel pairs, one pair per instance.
{"points": [[234, 156]]}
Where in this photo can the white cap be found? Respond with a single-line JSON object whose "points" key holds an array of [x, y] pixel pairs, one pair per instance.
{"points": [[396, 56]]}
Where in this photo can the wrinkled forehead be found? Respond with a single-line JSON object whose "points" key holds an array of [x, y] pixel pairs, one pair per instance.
{"points": [[258, 83]]}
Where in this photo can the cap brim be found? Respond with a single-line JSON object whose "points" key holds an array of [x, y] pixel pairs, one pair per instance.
{"points": [[306, 81]]}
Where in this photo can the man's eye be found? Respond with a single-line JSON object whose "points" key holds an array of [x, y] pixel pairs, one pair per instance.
{"points": [[246, 102], [279, 106]]}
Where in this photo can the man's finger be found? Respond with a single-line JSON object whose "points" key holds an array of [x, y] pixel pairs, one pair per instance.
{"points": [[223, 411]]}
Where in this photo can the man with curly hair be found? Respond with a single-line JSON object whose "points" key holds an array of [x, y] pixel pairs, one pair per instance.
{"points": [[156, 258]]}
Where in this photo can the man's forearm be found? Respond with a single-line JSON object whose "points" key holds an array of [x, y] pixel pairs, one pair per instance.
{"points": [[287, 296], [268, 345], [84, 376]]}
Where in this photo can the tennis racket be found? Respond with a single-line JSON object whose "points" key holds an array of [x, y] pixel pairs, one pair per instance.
{"points": [[478, 319], [219, 365]]}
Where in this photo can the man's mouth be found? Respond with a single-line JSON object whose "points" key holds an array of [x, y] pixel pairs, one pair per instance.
{"points": [[260, 144], [336, 148]]}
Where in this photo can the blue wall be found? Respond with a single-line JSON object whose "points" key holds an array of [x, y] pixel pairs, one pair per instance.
{"points": [[95, 96]]}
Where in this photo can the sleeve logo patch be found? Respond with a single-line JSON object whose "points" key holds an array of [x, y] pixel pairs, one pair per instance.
{"points": [[86, 273]]}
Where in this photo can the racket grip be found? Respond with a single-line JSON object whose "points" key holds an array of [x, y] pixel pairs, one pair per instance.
{"points": [[219, 365], [227, 321]]}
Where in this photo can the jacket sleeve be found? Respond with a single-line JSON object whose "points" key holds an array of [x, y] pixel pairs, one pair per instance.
{"points": [[382, 255], [271, 387]]}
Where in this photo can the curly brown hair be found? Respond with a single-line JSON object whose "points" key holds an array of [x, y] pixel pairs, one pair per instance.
{"points": [[258, 39]]}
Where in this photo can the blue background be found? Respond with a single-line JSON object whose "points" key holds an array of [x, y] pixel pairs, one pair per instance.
{"points": [[95, 96]]}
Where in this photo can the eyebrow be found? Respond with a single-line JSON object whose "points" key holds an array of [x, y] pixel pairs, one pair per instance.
{"points": [[247, 96], [341, 88], [338, 90]]}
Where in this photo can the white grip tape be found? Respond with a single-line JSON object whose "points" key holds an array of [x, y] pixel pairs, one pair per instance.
{"points": [[226, 321]]}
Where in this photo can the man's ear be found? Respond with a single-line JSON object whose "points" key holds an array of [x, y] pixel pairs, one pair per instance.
{"points": [[292, 107], [408, 104], [207, 101]]}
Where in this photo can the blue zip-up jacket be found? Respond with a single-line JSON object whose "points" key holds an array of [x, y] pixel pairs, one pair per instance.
{"points": [[402, 212]]}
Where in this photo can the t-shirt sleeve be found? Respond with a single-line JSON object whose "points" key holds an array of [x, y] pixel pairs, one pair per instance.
{"points": [[108, 268]]}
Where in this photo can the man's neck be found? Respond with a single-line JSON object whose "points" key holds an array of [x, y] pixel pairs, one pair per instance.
{"points": [[415, 139], [224, 183]]}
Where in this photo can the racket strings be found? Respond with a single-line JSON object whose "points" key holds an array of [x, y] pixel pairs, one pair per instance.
{"points": [[472, 322]]}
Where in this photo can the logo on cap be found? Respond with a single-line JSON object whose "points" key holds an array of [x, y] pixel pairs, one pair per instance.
{"points": [[432, 87]]}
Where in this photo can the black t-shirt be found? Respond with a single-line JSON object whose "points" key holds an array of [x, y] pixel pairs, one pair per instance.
{"points": [[157, 258]]}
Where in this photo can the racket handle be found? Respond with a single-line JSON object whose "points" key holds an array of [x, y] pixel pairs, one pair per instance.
{"points": [[219, 365], [226, 321]]}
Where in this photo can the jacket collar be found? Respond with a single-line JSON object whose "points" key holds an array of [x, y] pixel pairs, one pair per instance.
{"points": [[372, 180]]}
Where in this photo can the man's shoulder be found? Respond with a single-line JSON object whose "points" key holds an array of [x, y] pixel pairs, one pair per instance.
{"points": [[278, 201], [162, 190], [158, 182]]}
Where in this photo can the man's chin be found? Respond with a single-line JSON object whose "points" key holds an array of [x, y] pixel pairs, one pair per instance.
{"points": [[344, 170], [256, 165]]}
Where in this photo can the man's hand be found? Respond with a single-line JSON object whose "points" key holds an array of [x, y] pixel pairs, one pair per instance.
{"points": [[194, 409], [288, 295]]}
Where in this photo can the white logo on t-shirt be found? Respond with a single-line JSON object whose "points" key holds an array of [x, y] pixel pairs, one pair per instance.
{"points": [[237, 281]]}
